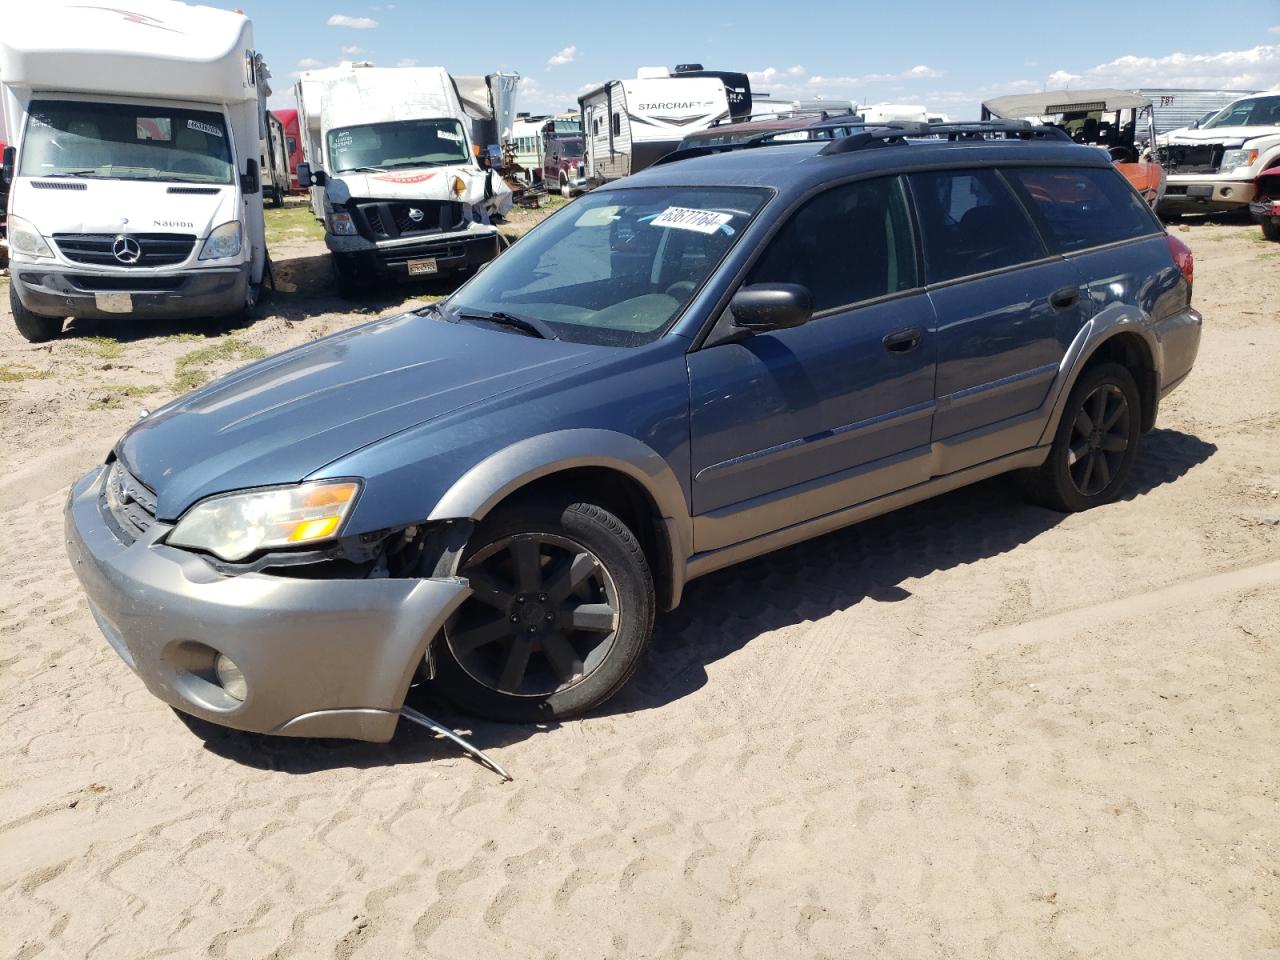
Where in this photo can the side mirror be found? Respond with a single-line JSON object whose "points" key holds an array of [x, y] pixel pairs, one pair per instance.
{"points": [[250, 181], [771, 306], [7, 166], [310, 178]]}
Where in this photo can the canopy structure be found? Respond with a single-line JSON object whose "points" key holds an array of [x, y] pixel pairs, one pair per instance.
{"points": [[1052, 102]]}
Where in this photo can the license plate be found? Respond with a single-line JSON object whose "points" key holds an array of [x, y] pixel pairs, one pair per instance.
{"points": [[1200, 190], [418, 267], [114, 302]]}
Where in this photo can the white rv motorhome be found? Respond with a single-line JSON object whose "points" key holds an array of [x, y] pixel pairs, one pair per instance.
{"points": [[135, 184], [628, 124], [397, 181]]}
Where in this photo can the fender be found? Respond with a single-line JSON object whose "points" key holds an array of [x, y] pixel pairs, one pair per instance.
{"points": [[500, 474], [1110, 322]]}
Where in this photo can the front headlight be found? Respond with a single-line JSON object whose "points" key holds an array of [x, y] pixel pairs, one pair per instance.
{"points": [[236, 525], [224, 241], [26, 239], [1238, 158], [340, 224]]}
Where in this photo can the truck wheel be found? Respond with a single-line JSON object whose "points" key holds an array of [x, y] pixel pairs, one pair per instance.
{"points": [[566, 191], [1271, 229], [1095, 444], [561, 612], [33, 327], [347, 277]]}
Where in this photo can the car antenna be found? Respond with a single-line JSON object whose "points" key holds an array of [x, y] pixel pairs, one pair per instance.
{"points": [[422, 720]]}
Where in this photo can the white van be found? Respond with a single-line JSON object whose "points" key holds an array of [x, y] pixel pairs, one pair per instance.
{"points": [[397, 181], [133, 162]]}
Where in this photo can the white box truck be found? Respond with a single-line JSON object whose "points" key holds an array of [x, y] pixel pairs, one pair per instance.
{"points": [[132, 162], [397, 180]]}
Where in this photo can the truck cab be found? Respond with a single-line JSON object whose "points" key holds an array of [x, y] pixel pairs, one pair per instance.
{"points": [[134, 175], [397, 181], [563, 163]]}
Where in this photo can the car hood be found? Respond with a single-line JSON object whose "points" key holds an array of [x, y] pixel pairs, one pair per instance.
{"points": [[281, 419], [1225, 135], [96, 206]]}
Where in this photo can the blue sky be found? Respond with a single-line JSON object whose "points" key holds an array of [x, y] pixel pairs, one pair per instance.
{"points": [[949, 56]]}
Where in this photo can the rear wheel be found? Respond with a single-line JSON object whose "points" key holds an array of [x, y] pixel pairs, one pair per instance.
{"points": [[561, 610], [33, 326], [1095, 445], [1271, 230]]}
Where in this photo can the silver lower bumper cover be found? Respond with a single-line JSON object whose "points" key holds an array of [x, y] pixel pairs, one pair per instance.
{"points": [[321, 658]]}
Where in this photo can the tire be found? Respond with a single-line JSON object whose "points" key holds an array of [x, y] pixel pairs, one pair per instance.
{"points": [[566, 191], [1271, 229], [1087, 468], [346, 277], [589, 589], [34, 327]]}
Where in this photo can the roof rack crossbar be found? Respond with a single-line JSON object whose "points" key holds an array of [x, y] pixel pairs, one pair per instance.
{"points": [[969, 130]]}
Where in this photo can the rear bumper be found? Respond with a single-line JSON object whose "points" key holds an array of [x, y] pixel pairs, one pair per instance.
{"points": [[1179, 338], [57, 291], [1187, 193], [321, 658], [453, 253]]}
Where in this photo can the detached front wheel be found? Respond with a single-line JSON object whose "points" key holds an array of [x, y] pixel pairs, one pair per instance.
{"points": [[561, 611]]}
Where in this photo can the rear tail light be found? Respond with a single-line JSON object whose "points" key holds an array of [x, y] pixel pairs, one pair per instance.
{"points": [[1183, 257]]}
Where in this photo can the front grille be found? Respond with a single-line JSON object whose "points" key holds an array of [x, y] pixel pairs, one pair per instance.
{"points": [[128, 504], [158, 249], [92, 283], [1199, 158], [393, 219]]}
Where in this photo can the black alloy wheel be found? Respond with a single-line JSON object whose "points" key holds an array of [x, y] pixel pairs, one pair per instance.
{"points": [[542, 616], [1099, 439]]}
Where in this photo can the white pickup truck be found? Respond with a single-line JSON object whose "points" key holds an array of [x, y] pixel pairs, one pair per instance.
{"points": [[1214, 166]]}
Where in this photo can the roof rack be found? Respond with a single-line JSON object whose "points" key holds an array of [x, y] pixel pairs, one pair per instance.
{"points": [[884, 133], [767, 115]]}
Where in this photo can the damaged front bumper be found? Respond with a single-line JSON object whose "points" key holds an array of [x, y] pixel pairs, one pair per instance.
{"points": [[400, 260], [320, 658]]}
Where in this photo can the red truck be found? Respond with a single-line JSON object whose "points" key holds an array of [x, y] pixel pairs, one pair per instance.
{"points": [[293, 144], [562, 161]]}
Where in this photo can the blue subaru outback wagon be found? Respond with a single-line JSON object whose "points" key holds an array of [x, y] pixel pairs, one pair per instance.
{"points": [[696, 365]]}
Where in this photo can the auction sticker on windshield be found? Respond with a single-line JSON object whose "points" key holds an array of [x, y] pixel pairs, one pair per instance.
{"points": [[685, 218]]}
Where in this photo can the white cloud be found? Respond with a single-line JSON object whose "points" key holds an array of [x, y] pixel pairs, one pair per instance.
{"points": [[1257, 68], [355, 23], [407, 62], [1275, 29], [352, 51], [309, 63], [567, 55], [920, 73]]}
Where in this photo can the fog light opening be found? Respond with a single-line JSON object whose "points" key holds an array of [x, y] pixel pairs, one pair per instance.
{"points": [[229, 675]]}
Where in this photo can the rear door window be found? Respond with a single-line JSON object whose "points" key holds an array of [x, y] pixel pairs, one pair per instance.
{"points": [[972, 223], [847, 245], [1084, 207]]}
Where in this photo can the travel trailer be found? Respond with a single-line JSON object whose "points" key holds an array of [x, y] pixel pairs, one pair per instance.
{"points": [[765, 105], [389, 155], [133, 162], [628, 124], [894, 113], [275, 161], [292, 143]]}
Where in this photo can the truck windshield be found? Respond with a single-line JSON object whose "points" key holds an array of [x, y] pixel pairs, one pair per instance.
{"points": [[124, 142], [616, 266], [567, 148], [399, 143], [1254, 112]]}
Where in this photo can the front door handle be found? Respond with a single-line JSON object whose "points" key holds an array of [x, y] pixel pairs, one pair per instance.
{"points": [[903, 341], [1065, 299]]}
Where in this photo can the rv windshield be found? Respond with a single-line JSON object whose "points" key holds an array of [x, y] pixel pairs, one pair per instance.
{"points": [[399, 143], [616, 266], [124, 142], [1254, 112]]}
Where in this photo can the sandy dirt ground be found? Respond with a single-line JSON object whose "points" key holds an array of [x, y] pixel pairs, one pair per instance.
{"points": [[972, 728]]}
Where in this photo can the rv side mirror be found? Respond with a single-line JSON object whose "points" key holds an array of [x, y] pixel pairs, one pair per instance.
{"points": [[7, 165], [309, 178], [250, 182], [762, 307]]}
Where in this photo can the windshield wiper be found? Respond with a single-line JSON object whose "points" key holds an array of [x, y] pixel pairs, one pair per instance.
{"points": [[364, 170], [71, 173], [532, 325]]}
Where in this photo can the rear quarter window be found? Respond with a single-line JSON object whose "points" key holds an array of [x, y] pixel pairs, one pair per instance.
{"points": [[1082, 207]]}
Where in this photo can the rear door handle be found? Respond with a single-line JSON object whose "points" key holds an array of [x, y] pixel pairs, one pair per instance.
{"points": [[1065, 299], [903, 341]]}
